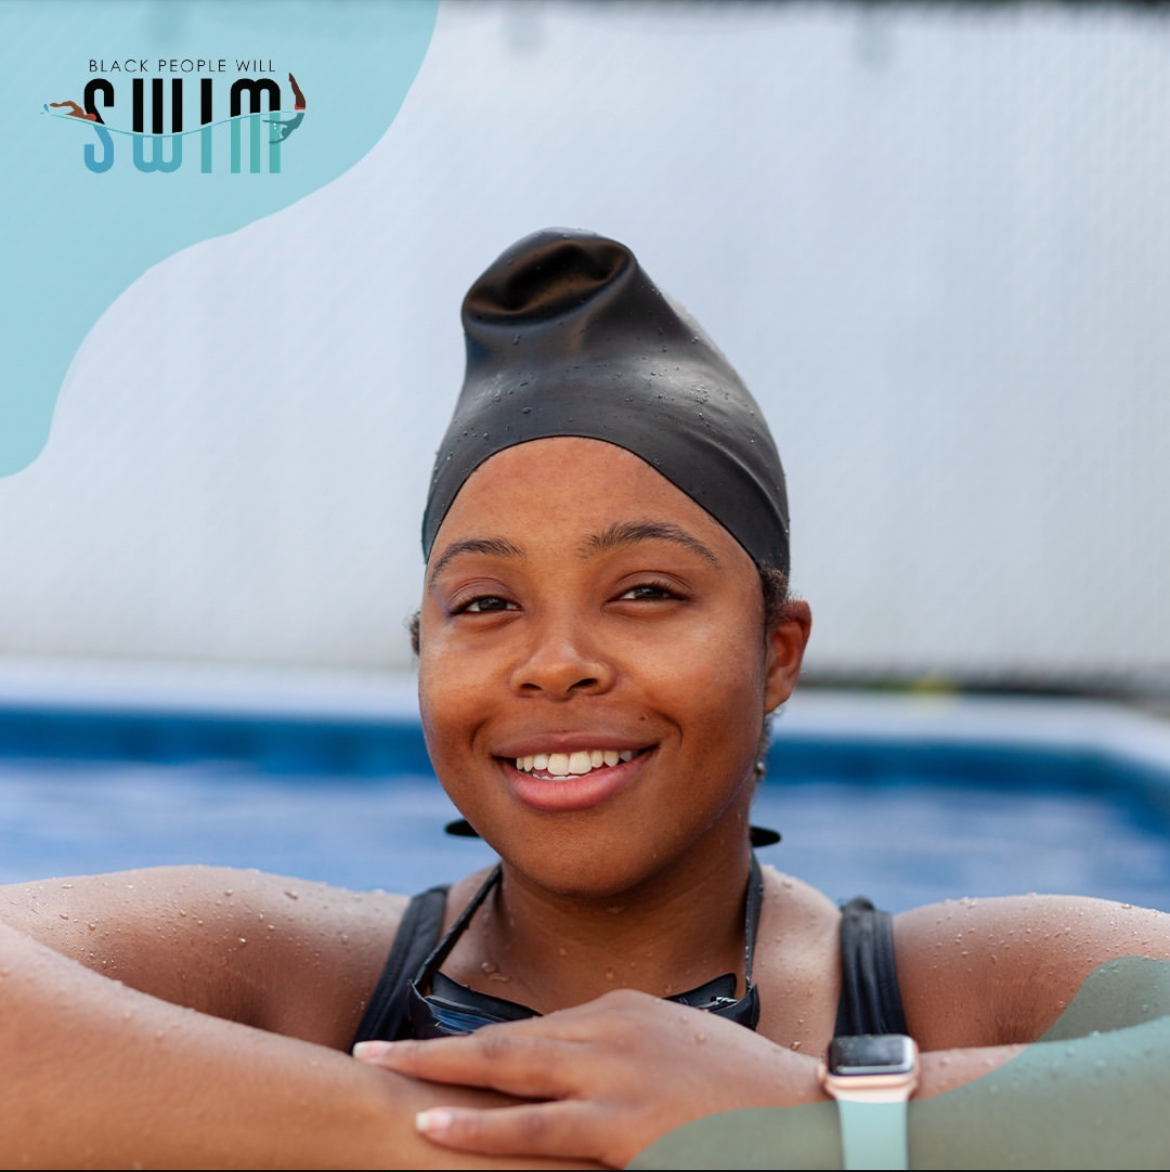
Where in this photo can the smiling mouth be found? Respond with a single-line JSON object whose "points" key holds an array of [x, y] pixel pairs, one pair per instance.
{"points": [[566, 766]]}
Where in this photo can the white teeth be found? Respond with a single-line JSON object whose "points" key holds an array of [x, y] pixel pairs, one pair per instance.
{"points": [[573, 764]]}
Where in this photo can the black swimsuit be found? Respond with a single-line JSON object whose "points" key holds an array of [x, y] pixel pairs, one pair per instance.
{"points": [[870, 1001]]}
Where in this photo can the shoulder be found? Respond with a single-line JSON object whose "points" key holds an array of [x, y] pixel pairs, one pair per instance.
{"points": [[993, 971], [283, 954], [797, 963]]}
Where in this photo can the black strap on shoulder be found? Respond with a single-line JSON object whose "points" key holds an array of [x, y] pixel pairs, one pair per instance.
{"points": [[422, 925], [871, 1002]]}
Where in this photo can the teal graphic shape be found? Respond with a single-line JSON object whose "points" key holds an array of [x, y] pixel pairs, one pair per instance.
{"points": [[74, 237]]}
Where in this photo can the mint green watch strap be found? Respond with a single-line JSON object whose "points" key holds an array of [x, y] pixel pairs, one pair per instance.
{"points": [[873, 1135]]}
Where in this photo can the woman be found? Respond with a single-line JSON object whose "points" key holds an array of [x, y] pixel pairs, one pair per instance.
{"points": [[604, 629]]}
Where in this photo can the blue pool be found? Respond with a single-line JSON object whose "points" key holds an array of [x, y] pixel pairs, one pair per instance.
{"points": [[907, 799]]}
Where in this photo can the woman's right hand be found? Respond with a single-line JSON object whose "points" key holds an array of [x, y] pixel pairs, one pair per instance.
{"points": [[606, 1078]]}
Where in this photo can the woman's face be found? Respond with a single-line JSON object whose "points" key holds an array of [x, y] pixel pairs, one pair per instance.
{"points": [[593, 673]]}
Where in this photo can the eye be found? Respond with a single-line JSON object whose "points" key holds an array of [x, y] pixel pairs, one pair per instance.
{"points": [[649, 592], [485, 604]]}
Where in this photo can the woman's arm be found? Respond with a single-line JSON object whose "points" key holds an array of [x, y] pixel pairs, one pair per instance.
{"points": [[991, 972], [285, 955], [95, 1073]]}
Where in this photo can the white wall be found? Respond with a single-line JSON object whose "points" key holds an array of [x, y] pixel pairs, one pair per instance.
{"points": [[934, 240]]}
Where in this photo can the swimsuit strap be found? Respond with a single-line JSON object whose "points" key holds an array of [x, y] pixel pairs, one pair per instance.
{"points": [[871, 1002], [422, 923]]}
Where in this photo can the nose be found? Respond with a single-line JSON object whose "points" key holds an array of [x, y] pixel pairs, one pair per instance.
{"points": [[560, 661]]}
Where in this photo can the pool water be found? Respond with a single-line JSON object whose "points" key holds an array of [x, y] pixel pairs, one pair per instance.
{"points": [[902, 826]]}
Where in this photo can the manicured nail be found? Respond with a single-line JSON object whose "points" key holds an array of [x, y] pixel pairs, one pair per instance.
{"points": [[372, 1051], [435, 1121]]}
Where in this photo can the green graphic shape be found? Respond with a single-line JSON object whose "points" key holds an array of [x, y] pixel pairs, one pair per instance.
{"points": [[1091, 1093], [73, 239]]}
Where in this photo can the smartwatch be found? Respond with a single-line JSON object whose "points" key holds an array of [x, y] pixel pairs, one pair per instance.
{"points": [[872, 1076]]}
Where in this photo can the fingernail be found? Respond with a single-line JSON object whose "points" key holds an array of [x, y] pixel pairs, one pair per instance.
{"points": [[372, 1051], [434, 1121]]}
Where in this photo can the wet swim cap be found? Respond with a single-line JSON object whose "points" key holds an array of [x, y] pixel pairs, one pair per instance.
{"points": [[567, 336]]}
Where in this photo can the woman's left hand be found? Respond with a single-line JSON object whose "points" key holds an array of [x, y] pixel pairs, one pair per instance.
{"points": [[608, 1077]]}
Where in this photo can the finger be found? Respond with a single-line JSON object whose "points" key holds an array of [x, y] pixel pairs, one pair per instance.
{"points": [[529, 1067], [552, 1130]]}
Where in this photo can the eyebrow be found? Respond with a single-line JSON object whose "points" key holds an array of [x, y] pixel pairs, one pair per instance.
{"points": [[616, 536], [633, 532], [495, 546]]}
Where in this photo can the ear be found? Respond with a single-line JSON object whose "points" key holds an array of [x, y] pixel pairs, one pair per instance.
{"points": [[786, 643]]}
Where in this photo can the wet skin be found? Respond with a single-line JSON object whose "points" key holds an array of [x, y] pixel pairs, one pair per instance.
{"points": [[576, 600]]}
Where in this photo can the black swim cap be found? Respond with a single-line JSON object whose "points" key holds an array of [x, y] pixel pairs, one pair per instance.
{"points": [[567, 336]]}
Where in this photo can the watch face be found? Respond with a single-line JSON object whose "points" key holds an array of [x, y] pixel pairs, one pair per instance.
{"points": [[872, 1054]]}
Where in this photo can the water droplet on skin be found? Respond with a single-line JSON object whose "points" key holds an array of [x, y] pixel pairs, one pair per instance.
{"points": [[700, 1038], [243, 941], [344, 938], [229, 893], [489, 967], [610, 974], [91, 927], [503, 978], [63, 915], [66, 886]]}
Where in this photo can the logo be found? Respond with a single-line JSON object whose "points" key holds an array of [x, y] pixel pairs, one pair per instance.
{"points": [[200, 113]]}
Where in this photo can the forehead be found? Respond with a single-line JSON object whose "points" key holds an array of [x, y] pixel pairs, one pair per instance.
{"points": [[566, 488]]}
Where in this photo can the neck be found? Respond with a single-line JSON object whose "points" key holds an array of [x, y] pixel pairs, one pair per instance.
{"points": [[662, 936]]}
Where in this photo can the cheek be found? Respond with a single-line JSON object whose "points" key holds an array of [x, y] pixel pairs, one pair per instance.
{"points": [[448, 700], [716, 674]]}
